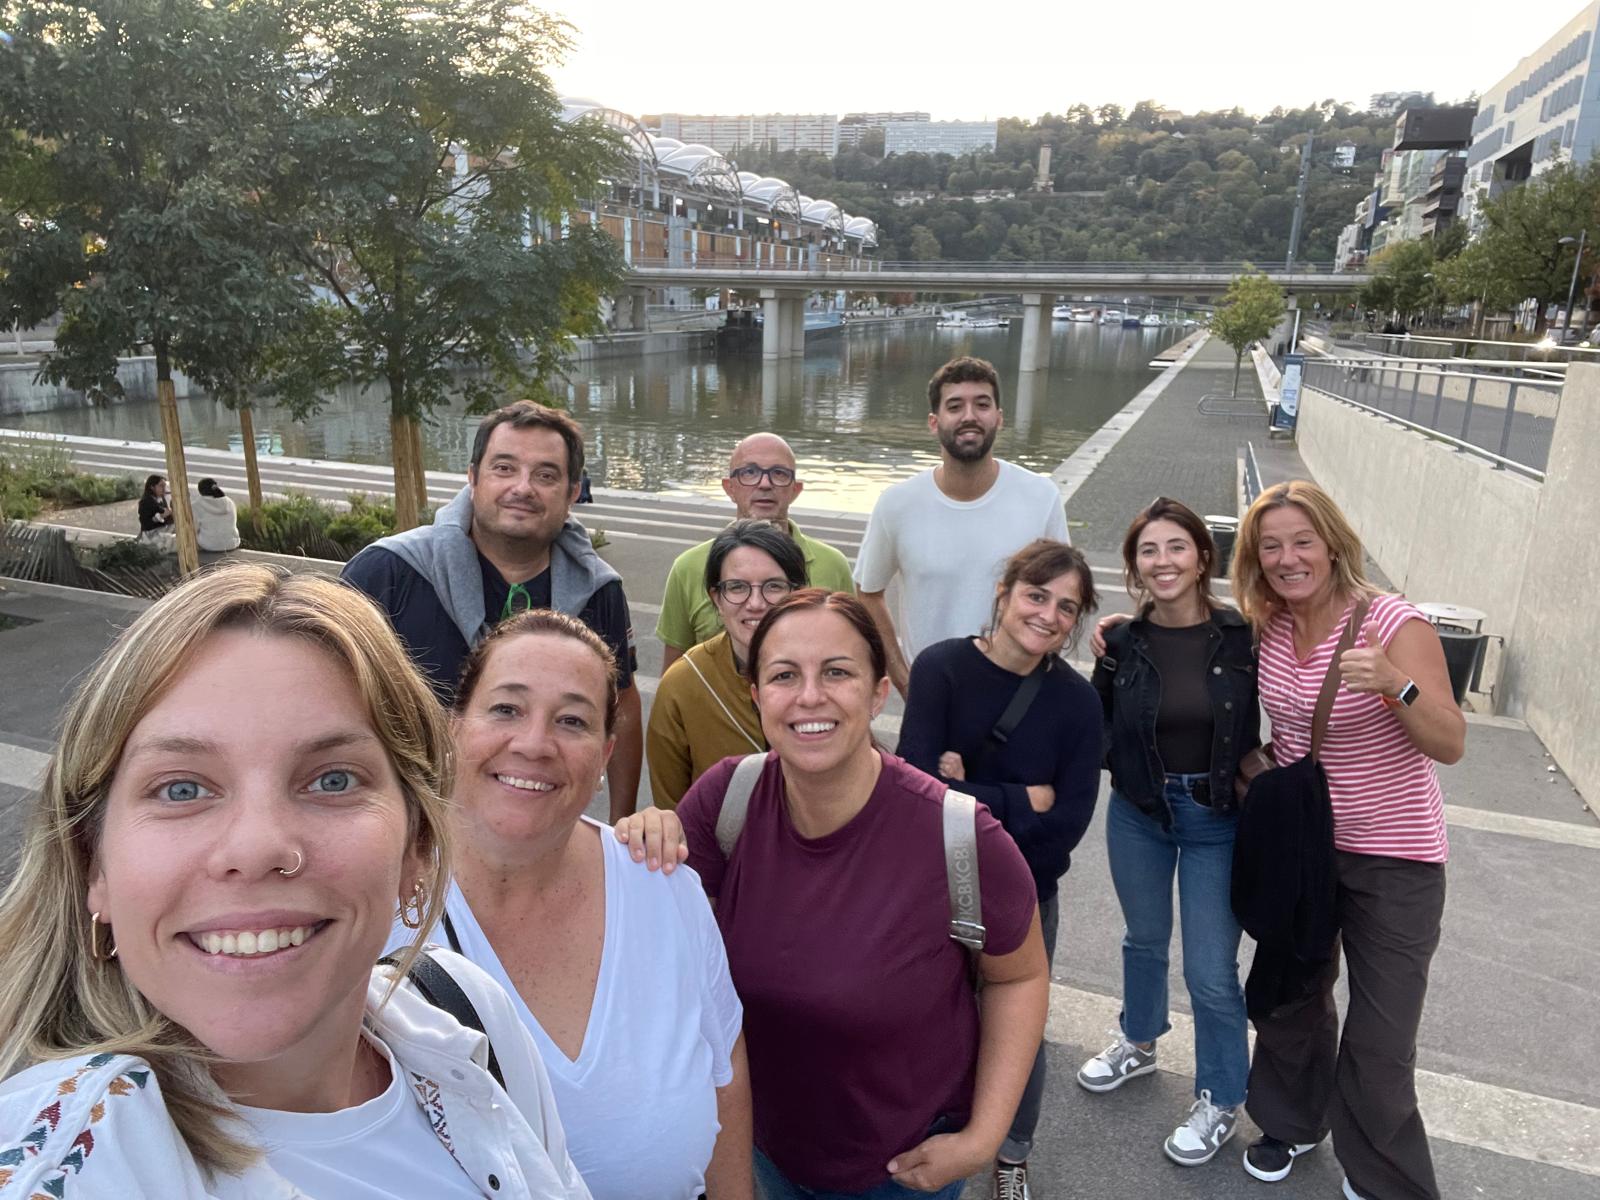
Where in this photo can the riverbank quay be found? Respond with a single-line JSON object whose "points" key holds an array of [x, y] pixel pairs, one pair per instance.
{"points": [[1516, 974], [1515, 983]]}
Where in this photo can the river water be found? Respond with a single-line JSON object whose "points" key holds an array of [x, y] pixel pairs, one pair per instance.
{"points": [[854, 409]]}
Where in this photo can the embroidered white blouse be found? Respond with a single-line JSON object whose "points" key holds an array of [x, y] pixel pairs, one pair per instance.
{"points": [[96, 1126]]}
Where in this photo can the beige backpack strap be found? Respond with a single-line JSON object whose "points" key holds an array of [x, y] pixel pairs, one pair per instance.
{"points": [[736, 801], [961, 870]]}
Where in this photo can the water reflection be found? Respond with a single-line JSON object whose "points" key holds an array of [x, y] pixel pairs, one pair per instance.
{"points": [[855, 409]]}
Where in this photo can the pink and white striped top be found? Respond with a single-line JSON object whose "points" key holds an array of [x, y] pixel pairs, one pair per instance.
{"points": [[1385, 792]]}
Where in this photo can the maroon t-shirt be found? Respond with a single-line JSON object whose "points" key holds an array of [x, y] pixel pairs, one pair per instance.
{"points": [[860, 1021]]}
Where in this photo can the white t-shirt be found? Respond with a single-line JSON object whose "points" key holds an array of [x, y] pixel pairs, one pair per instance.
{"points": [[381, 1150], [639, 1105], [948, 553]]}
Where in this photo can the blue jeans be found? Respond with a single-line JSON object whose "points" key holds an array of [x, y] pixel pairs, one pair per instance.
{"points": [[1143, 856], [771, 1185], [1019, 1142]]}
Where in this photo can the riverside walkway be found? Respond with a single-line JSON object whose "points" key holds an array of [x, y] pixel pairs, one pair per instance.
{"points": [[1509, 1053]]}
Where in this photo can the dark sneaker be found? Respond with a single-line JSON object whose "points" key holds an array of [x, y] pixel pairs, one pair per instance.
{"points": [[1011, 1181], [1270, 1160], [1115, 1065], [1199, 1138]]}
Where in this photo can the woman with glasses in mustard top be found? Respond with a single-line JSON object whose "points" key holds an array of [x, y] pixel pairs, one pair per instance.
{"points": [[702, 711]]}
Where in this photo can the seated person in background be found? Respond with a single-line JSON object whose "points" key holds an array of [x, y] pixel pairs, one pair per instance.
{"points": [[155, 513], [216, 520], [762, 483], [703, 711]]}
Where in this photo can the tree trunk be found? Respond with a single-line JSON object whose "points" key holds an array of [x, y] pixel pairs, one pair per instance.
{"points": [[419, 464], [1238, 362], [405, 476], [177, 468], [252, 469]]}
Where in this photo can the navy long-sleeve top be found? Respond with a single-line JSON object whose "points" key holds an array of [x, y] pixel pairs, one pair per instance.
{"points": [[955, 698]]}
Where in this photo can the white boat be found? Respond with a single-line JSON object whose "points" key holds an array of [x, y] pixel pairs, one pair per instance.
{"points": [[1061, 312], [1151, 321], [1111, 316], [960, 320], [1084, 315]]}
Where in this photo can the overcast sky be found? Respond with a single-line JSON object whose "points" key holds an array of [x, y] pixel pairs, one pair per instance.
{"points": [[972, 60]]}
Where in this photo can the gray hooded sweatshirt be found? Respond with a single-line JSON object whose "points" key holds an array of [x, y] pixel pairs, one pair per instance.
{"points": [[444, 554]]}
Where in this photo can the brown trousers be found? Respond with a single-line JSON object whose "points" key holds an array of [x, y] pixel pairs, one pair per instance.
{"points": [[1306, 1079]]}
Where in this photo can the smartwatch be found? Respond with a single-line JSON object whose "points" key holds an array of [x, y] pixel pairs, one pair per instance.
{"points": [[1407, 697]]}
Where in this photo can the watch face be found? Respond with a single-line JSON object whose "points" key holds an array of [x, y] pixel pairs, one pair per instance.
{"points": [[1408, 694]]}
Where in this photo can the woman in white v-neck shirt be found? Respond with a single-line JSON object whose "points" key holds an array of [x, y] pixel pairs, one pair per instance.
{"points": [[618, 972]]}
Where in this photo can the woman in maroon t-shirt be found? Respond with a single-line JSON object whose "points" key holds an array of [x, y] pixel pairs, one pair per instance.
{"points": [[861, 1024]]}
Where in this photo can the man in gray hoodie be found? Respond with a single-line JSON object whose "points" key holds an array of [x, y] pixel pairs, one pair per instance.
{"points": [[505, 544]]}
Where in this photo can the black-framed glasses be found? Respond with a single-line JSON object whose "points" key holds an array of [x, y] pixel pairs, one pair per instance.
{"points": [[751, 475], [737, 591]]}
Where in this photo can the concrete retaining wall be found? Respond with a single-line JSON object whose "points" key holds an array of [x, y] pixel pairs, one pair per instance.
{"points": [[1552, 663], [1447, 526], [20, 394]]}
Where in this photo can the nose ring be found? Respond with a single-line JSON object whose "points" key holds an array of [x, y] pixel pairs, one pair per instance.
{"points": [[299, 861]]}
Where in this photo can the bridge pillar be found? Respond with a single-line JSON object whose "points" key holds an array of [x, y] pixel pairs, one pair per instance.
{"points": [[1035, 332], [772, 315], [797, 327]]}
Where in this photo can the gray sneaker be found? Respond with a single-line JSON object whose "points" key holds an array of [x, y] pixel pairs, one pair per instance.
{"points": [[1199, 1138], [1115, 1065], [1011, 1182]]}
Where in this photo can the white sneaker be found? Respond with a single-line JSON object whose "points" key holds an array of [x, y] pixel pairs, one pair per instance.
{"points": [[1205, 1132], [1115, 1065]]}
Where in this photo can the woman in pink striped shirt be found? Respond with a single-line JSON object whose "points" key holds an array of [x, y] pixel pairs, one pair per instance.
{"points": [[1297, 576]]}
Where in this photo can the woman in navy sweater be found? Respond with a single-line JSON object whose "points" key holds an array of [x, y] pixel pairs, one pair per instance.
{"points": [[1039, 777]]}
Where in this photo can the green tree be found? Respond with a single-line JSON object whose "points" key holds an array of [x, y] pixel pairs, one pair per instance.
{"points": [[446, 189], [1249, 310], [924, 246], [1404, 279], [1523, 227], [140, 133]]}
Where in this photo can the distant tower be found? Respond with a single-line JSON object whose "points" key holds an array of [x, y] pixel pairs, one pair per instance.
{"points": [[1042, 181]]}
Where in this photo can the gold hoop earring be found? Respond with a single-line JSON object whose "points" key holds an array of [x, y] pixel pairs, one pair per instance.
{"points": [[95, 952], [411, 907]]}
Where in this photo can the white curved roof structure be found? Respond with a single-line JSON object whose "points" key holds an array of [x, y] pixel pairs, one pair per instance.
{"points": [[826, 214], [702, 166], [574, 109], [862, 228], [777, 196], [703, 170]]}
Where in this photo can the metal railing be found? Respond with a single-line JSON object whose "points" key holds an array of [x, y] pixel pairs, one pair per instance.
{"points": [[1220, 269], [1469, 350], [1506, 419], [1252, 475]]}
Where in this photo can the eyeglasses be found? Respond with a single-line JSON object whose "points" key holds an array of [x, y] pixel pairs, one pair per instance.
{"points": [[751, 475], [737, 591]]}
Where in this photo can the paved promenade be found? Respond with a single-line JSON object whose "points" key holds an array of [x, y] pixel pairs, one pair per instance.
{"points": [[1509, 1055]]}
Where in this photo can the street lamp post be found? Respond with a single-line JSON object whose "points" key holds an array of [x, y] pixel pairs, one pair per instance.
{"points": [[1572, 288]]}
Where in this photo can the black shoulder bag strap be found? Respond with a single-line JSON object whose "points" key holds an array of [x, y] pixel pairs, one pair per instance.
{"points": [[1021, 701], [439, 988]]}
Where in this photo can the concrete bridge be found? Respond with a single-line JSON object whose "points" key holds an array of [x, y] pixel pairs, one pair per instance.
{"points": [[783, 289]]}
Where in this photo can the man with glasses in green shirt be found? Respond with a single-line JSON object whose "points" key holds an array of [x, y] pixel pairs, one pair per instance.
{"points": [[762, 483]]}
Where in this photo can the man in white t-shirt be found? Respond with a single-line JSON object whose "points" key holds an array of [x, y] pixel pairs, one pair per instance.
{"points": [[948, 532]]}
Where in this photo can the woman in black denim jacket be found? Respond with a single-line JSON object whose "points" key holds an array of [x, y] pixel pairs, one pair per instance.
{"points": [[1178, 686]]}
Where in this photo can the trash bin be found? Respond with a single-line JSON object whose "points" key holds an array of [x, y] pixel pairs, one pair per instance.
{"points": [[1465, 644], [1224, 532], [1463, 657]]}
